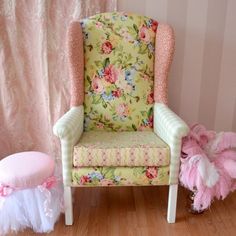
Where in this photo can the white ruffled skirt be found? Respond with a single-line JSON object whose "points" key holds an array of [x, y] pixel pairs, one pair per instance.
{"points": [[37, 208]]}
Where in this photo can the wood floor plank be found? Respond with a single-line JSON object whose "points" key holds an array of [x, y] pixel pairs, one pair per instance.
{"points": [[141, 211]]}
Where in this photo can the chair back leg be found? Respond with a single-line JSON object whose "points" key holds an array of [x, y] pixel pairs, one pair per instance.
{"points": [[172, 202], [68, 205]]}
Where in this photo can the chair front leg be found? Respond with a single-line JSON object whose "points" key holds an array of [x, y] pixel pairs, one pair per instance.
{"points": [[68, 205], [172, 203]]}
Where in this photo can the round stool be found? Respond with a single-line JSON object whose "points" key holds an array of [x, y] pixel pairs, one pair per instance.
{"points": [[30, 194]]}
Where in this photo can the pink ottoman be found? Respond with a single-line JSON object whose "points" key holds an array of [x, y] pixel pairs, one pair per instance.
{"points": [[30, 195]]}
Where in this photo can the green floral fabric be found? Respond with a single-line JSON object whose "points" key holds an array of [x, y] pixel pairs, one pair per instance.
{"points": [[120, 176], [119, 71]]}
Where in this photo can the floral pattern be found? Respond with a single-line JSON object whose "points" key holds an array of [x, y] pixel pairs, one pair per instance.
{"points": [[119, 71], [120, 176]]}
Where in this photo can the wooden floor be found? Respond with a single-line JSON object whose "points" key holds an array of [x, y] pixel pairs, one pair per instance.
{"points": [[142, 211]]}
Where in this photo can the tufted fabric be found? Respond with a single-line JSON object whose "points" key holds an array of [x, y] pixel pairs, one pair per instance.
{"points": [[120, 176], [101, 148], [75, 55], [163, 57], [119, 71]]}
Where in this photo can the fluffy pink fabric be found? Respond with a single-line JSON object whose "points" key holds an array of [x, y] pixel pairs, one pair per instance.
{"points": [[164, 50], [75, 54], [25, 169], [227, 140], [219, 151]]}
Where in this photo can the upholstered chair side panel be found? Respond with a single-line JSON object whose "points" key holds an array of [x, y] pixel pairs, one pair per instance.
{"points": [[164, 50], [75, 55]]}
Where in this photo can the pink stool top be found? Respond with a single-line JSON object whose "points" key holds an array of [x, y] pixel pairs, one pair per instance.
{"points": [[26, 169]]}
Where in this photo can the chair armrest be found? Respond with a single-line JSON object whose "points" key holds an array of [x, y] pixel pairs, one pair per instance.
{"points": [[67, 126], [69, 129], [171, 129]]}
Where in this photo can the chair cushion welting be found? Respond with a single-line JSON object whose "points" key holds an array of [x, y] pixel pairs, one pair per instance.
{"points": [[104, 148], [119, 53]]}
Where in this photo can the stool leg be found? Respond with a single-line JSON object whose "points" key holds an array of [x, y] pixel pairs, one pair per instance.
{"points": [[172, 202], [68, 205]]}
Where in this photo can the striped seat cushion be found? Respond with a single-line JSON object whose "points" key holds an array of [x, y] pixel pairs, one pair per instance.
{"points": [[104, 148]]}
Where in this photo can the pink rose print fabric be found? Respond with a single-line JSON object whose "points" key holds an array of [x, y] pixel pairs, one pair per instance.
{"points": [[119, 71]]}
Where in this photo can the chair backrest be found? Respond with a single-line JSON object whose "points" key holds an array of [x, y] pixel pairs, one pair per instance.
{"points": [[119, 71], [118, 65]]}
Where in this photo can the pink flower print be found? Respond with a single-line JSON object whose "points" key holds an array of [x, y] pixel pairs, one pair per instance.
{"points": [[154, 25], [145, 77], [132, 157], [100, 125], [99, 25], [150, 98], [50, 182], [128, 88], [150, 121], [106, 182], [117, 93], [97, 85], [151, 172], [111, 74], [142, 127], [122, 110], [84, 179], [5, 190], [118, 156], [107, 47], [144, 34]]}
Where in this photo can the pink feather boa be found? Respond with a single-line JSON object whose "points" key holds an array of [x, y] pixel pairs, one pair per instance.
{"points": [[208, 165]]}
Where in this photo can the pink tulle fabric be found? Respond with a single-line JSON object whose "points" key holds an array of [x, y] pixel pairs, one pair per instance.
{"points": [[37, 208], [6, 190], [30, 193], [164, 50], [208, 165]]}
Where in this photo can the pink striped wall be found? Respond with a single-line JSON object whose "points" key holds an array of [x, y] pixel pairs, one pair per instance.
{"points": [[202, 81]]}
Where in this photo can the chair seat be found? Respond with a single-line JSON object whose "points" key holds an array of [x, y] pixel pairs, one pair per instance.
{"points": [[104, 148]]}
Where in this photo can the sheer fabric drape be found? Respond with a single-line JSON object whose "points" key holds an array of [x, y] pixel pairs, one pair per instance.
{"points": [[34, 82]]}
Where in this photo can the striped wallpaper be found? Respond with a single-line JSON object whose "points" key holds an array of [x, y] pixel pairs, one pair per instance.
{"points": [[202, 81]]}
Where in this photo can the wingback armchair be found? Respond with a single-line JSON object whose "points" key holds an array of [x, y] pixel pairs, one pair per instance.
{"points": [[119, 130]]}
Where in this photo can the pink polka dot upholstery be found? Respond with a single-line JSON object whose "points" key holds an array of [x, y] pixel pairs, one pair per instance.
{"points": [[75, 54], [163, 57], [26, 169]]}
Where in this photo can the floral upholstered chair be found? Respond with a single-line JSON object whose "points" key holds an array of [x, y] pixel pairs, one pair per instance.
{"points": [[119, 130]]}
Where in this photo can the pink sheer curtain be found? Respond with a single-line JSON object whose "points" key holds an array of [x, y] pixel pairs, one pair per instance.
{"points": [[34, 82]]}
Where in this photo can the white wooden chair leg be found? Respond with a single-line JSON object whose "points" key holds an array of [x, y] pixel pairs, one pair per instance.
{"points": [[68, 205], [172, 202]]}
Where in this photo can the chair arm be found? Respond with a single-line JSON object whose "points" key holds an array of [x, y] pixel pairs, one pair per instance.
{"points": [[171, 129], [68, 125], [69, 129]]}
